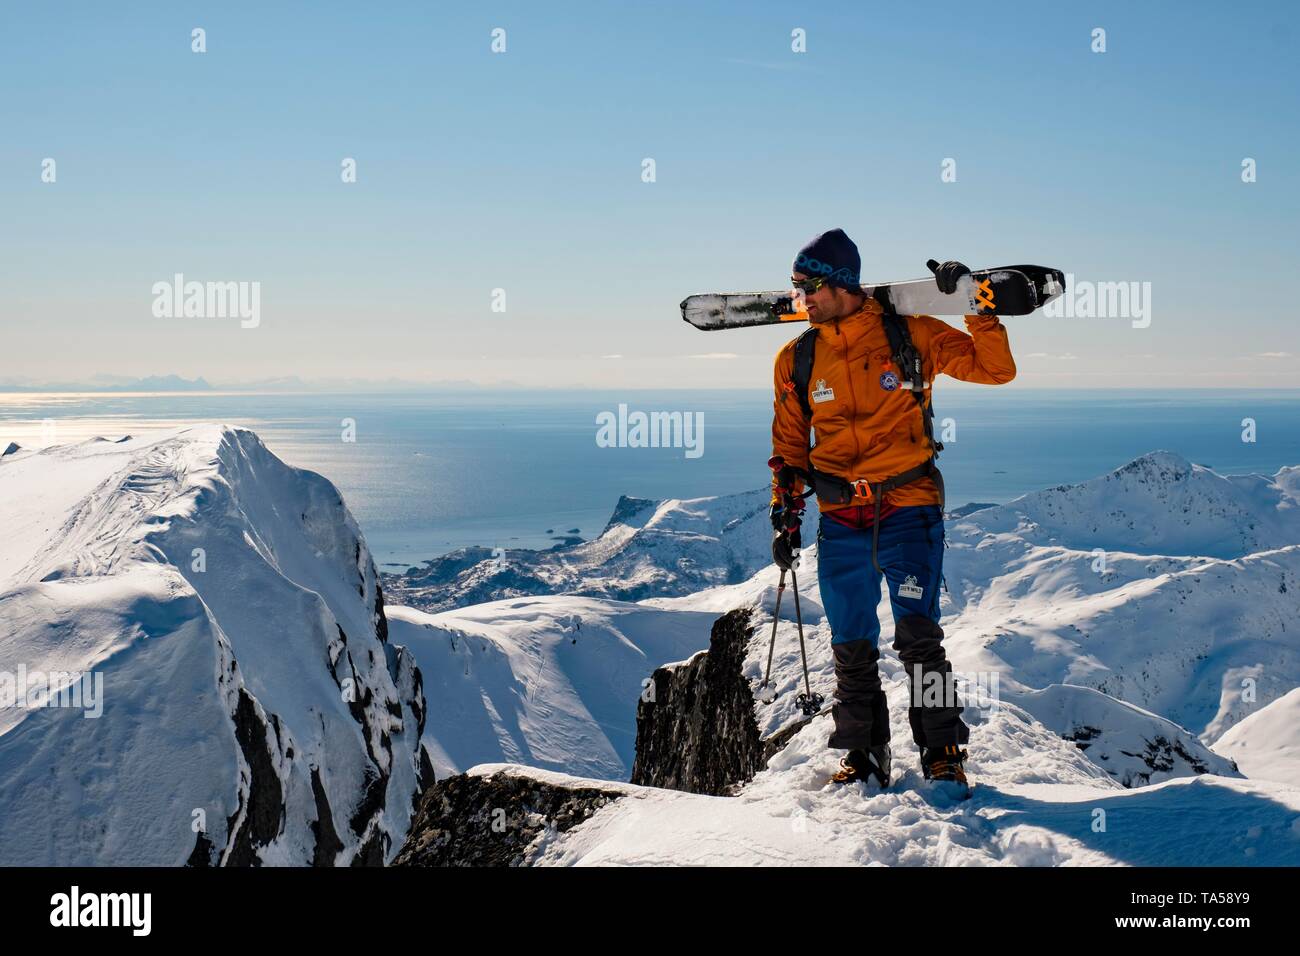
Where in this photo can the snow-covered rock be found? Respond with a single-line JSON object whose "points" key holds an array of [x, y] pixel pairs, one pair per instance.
{"points": [[648, 549], [1132, 745], [252, 711]]}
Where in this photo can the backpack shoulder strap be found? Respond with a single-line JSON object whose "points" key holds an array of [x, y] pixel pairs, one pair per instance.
{"points": [[908, 358], [804, 351], [901, 349]]}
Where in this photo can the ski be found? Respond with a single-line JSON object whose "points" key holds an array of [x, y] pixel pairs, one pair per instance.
{"points": [[1008, 290]]}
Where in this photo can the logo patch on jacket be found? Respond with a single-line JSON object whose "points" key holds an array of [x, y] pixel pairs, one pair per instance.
{"points": [[889, 380], [821, 393], [909, 588]]}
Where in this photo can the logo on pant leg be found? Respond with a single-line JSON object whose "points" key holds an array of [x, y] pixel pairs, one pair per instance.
{"points": [[909, 588]]}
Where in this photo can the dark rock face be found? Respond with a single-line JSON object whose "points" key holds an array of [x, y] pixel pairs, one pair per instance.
{"points": [[260, 815], [494, 821], [203, 852], [328, 843], [698, 733], [265, 804], [1159, 757], [627, 509], [372, 852]]}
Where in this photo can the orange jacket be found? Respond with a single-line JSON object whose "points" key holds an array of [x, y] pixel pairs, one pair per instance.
{"points": [[863, 429]]}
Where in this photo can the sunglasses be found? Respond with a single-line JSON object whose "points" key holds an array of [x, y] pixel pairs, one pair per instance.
{"points": [[809, 286]]}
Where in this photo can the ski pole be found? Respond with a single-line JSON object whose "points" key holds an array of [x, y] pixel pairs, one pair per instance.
{"points": [[808, 702], [776, 616]]}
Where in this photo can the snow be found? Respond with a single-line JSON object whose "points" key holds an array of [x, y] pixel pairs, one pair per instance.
{"points": [[1123, 620], [548, 681], [1266, 745], [1036, 803], [1072, 763], [186, 569], [1162, 584]]}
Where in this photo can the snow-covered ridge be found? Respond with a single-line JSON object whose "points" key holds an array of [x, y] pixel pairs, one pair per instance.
{"points": [[1159, 505], [1162, 504], [647, 549], [1163, 584], [253, 710]]}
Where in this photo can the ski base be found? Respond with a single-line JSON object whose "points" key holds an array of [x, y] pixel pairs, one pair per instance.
{"points": [[1008, 290]]}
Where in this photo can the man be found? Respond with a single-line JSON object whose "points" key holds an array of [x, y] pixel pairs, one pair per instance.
{"points": [[878, 491]]}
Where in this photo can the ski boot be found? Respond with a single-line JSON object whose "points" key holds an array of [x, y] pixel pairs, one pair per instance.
{"points": [[944, 764], [864, 765]]}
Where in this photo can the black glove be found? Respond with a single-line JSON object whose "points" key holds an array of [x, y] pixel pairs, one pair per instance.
{"points": [[947, 274], [777, 514], [784, 545]]}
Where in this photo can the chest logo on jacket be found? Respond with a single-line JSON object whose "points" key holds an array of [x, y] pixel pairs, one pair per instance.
{"points": [[889, 381], [821, 393]]}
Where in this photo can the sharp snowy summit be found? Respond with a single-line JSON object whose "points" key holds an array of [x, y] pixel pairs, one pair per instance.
{"points": [[251, 708]]}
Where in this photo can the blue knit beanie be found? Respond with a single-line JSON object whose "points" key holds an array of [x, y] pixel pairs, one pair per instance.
{"points": [[833, 255]]}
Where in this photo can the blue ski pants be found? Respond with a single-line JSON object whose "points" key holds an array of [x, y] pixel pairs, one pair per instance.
{"points": [[910, 553]]}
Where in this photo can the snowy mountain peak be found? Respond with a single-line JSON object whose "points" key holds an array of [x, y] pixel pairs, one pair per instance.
{"points": [[1162, 464], [1159, 503], [227, 605]]}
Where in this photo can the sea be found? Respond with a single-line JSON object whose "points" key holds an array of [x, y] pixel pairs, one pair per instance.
{"points": [[427, 472]]}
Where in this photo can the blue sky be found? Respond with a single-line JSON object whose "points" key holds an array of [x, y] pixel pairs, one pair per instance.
{"points": [[522, 171]]}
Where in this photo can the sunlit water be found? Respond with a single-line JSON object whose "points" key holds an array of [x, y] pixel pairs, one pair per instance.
{"points": [[432, 471]]}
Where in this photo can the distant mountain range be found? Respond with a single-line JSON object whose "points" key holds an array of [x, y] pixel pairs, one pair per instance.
{"points": [[285, 383], [110, 383]]}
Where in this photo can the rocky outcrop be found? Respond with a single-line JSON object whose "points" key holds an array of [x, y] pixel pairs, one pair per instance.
{"points": [[498, 820], [629, 510], [695, 725], [696, 732]]}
